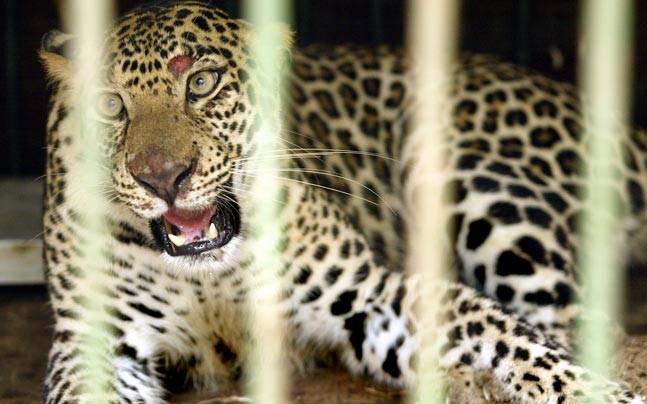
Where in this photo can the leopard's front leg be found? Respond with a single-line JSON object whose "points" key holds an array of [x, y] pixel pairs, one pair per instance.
{"points": [[132, 379], [342, 298], [110, 324]]}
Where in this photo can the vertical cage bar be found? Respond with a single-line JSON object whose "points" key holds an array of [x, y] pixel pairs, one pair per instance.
{"points": [[11, 80], [433, 37], [604, 73], [89, 20], [267, 380]]}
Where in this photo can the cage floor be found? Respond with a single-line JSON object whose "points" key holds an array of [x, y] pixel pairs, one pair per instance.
{"points": [[26, 330]]}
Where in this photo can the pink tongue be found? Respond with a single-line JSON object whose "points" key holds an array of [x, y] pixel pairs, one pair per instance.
{"points": [[191, 223]]}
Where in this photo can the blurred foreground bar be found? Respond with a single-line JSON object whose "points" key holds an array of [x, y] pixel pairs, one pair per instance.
{"points": [[433, 45], [267, 378], [89, 21], [604, 76]]}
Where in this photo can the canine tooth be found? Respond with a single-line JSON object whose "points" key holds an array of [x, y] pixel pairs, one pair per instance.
{"points": [[213, 233], [177, 240]]}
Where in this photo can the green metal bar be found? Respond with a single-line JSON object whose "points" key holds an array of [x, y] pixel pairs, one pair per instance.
{"points": [[267, 382], [433, 38], [89, 21], [604, 77]]}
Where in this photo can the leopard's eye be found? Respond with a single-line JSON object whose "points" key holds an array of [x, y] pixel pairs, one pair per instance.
{"points": [[202, 84], [110, 105]]}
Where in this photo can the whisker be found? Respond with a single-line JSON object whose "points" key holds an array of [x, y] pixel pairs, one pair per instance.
{"points": [[48, 175], [312, 138], [40, 233], [316, 153], [327, 173], [295, 145], [234, 190], [320, 186]]}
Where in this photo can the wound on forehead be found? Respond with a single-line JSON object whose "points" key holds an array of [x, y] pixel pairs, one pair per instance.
{"points": [[180, 64]]}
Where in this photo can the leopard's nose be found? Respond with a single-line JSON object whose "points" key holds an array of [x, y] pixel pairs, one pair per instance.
{"points": [[160, 176]]}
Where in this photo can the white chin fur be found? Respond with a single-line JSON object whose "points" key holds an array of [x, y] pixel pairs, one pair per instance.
{"points": [[213, 261]]}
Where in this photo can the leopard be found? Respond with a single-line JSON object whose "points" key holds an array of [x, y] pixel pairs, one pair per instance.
{"points": [[179, 114]]}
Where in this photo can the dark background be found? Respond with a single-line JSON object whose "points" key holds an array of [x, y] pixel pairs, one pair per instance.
{"points": [[522, 31]]}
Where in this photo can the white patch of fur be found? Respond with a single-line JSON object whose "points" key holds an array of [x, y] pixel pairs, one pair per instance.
{"points": [[210, 262], [380, 339], [148, 387]]}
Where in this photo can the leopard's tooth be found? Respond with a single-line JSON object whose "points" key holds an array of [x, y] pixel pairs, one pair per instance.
{"points": [[213, 233], [177, 240]]}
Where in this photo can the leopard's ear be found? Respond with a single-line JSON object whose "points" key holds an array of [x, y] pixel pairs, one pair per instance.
{"points": [[287, 39], [286, 35], [282, 32], [55, 53]]}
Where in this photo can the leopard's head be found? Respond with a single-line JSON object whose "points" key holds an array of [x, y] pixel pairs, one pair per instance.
{"points": [[178, 109]]}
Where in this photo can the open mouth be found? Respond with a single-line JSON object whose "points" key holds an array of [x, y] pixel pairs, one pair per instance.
{"points": [[191, 232]]}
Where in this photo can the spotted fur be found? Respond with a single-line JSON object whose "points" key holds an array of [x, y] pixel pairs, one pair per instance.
{"points": [[514, 144]]}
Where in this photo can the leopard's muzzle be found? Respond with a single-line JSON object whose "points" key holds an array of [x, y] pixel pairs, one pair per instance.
{"points": [[183, 232]]}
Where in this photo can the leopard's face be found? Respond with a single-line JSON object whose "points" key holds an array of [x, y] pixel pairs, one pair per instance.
{"points": [[178, 110]]}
